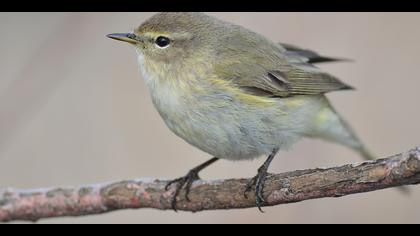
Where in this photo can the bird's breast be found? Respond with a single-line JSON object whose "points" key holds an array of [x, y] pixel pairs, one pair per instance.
{"points": [[214, 117]]}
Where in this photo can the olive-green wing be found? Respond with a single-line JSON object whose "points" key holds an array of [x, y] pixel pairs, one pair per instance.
{"points": [[290, 74], [291, 82], [298, 81]]}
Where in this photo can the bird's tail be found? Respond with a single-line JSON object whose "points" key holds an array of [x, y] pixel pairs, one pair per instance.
{"points": [[330, 126], [352, 140]]}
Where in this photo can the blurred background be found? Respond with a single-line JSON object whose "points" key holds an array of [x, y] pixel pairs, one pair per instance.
{"points": [[74, 110]]}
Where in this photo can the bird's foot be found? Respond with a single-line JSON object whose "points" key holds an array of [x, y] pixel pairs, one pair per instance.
{"points": [[183, 183], [187, 181], [258, 181]]}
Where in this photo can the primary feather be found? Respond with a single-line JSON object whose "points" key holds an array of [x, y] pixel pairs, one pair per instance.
{"points": [[309, 56]]}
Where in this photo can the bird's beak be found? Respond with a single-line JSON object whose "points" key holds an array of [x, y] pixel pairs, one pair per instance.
{"points": [[126, 37]]}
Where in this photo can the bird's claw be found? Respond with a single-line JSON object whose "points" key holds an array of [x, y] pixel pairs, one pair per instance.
{"points": [[258, 181], [183, 182]]}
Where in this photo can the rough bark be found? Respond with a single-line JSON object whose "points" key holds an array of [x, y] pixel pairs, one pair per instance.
{"points": [[295, 186]]}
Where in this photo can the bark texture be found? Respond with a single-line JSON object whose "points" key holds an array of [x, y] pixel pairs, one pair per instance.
{"points": [[294, 186]]}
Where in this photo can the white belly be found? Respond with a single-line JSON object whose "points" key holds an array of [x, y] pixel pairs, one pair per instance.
{"points": [[231, 132], [221, 125]]}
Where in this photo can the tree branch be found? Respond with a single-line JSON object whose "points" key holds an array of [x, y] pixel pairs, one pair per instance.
{"points": [[295, 186]]}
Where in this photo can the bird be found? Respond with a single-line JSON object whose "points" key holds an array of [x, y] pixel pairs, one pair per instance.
{"points": [[235, 94]]}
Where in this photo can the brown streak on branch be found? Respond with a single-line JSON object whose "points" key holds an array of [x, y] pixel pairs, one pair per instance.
{"points": [[295, 186]]}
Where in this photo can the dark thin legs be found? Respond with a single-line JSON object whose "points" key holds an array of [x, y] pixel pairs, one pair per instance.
{"points": [[259, 180], [188, 180]]}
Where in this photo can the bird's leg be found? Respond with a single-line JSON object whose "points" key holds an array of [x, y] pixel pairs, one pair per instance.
{"points": [[259, 180], [187, 181]]}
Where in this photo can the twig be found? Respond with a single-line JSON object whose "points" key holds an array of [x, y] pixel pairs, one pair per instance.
{"points": [[295, 186]]}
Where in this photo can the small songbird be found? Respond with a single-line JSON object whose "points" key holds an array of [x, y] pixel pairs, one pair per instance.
{"points": [[234, 93]]}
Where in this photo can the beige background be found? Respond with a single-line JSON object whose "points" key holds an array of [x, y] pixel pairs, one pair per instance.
{"points": [[74, 110]]}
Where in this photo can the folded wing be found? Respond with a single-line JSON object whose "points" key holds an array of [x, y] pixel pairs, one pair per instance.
{"points": [[282, 72]]}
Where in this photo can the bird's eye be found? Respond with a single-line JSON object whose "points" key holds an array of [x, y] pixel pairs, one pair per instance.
{"points": [[162, 41]]}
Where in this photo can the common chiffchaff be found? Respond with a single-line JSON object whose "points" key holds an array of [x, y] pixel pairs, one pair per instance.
{"points": [[233, 93]]}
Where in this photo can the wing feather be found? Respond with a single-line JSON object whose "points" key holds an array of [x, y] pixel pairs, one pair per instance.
{"points": [[274, 70], [309, 56]]}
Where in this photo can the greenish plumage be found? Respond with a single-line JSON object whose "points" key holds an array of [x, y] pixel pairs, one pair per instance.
{"points": [[234, 93]]}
